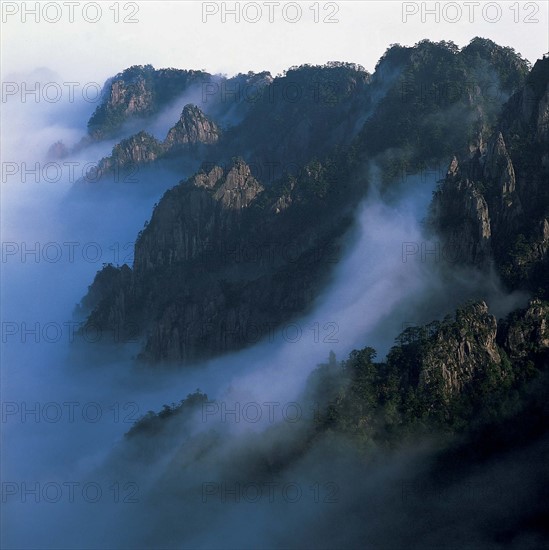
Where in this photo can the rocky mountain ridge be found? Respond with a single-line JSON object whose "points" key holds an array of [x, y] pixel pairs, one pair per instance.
{"points": [[493, 206], [195, 289], [203, 282], [446, 375], [189, 135]]}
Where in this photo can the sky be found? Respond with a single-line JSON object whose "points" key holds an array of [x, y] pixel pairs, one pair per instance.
{"points": [[91, 41]]}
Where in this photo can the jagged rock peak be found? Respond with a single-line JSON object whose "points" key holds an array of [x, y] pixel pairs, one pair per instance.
{"points": [[235, 188], [192, 127], [460, 349], [139, 148], [472, 310], [207, 179]]}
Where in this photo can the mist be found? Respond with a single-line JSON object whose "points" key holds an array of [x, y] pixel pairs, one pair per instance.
{"points": [[64, 423]]}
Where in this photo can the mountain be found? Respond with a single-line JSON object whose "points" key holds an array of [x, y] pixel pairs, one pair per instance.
{"points": [[193, 127], [278, 124], [189, 136], [454, 375], [493, 205], [208, 276], [441, 99], [449, 375], [138, 93], [448, 433], [232, 252]]}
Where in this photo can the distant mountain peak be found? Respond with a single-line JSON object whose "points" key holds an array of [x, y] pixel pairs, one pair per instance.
{"points": [[193, 127]]}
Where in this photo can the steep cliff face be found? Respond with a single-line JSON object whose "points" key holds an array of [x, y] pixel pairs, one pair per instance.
{"points": [[137, 93], [217, 268], [508, 179], [140, 92], [193, 218], [463, 372], [128, 95], [460, 208], [239, 188], [474, 349], [457, 351], [525, 332], [477, 208], [108, 282]]}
